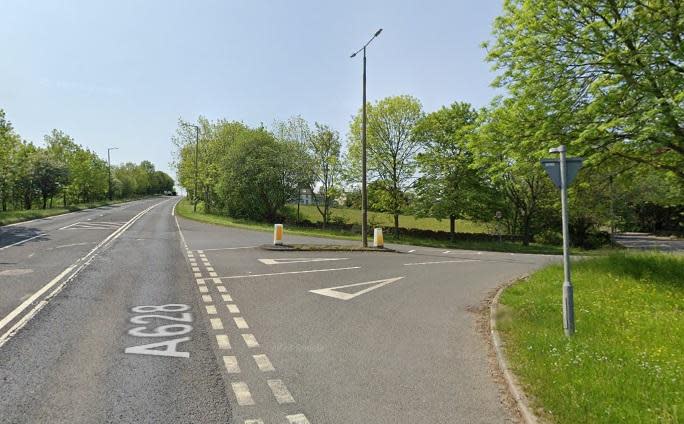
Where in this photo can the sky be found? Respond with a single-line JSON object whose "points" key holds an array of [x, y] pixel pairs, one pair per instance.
{"points": [[121, 73]]}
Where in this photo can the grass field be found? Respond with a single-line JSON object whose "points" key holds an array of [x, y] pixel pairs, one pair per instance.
{"points": [[626, 362], [184, 209], [353, 216], [10, 217]]}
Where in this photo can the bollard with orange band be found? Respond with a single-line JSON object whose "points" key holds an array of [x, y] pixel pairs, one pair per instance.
{"points": [[378, 240], [278, 234]]}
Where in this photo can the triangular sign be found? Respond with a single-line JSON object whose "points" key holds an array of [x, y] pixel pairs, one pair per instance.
{"points": [[552, 167], [332, 291], [282, 261]]}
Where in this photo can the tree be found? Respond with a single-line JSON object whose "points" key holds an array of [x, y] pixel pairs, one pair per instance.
{"points": [[324, 147], [449, 187], [49, 176], [392, 148], [10, 144], [609, 71]]}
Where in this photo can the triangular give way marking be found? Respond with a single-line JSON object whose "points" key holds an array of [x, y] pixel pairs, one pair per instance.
{"points": [[297, 260], [332, 291]]}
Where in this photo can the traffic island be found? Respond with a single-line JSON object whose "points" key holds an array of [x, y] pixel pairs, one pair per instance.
{"points": [[322, 248]]}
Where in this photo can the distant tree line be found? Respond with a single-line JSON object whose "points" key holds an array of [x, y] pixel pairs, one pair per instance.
{"points": [[62, 173], [602, 77]]}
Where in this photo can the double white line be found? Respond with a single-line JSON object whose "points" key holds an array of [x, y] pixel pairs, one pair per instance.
{"points": [[58, 283]]}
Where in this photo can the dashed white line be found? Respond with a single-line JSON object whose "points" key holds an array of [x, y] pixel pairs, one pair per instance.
{"points": [[231, 364], [211, 309], [200, 281], [201, 252], [223, 342], [198, 274], [233, 309], [210, 269], [412, 250], [221, 289], [216, 323], [242, 394], [240, 323], [213, 274], [203, 289], [263, 363], [254, 421], [206, 298], [195, 268], [297, 419], [250, 340], [227, 298], [280, 391], [216, 280], [21, 241]]}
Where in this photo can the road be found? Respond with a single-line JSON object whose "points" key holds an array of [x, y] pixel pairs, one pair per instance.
{"points": [[645, 241], [148, 317]]}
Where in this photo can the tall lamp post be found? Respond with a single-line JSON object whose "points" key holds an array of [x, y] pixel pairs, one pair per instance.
{"points": [[364, 192], [109, 170], [194, 195]]}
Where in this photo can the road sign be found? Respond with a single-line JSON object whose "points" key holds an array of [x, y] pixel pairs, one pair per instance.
{"points": [[334, 293], [552, 167]]}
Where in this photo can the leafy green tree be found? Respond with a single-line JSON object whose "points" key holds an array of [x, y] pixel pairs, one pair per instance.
{"points": [[608, 74], [49, 176], [392, 148], [449, 186], [324, 147], [10, 144]]}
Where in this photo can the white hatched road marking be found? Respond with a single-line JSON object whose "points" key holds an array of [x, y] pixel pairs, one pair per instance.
{"points": [[233, 309], [211, 309], [216, 280], [241, 323], [334, 293], [195, 268], [280, 391], [221, 289], [216, 323], [242, 394], [198, 274], [203, 289], [231, 364], [263, 363], [210, 268], [250, 340], [297, 419], [227, 298], [284, 261], [213, 274], [207, 298], [223, 342], [200, 281]]}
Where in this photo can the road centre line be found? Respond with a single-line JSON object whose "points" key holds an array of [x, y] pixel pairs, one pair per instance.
{"points": [[442, 262], [60, 281], [288, 272]]}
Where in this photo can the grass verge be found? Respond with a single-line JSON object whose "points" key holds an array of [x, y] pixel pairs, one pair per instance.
{"points": [[184, 209], [11, 217], [626, 362]]}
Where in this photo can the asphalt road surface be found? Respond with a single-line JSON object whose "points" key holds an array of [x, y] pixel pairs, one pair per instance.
{"points": [[130, 314]]}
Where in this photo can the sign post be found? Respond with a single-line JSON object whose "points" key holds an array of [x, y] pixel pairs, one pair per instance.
{"points": [[562, 171]]}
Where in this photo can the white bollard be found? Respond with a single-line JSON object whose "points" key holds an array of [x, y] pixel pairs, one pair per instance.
{"points": [[278, 234], [378, 240]]}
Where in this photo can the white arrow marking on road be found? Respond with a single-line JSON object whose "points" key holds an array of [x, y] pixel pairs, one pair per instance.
{"points": [[297, 260], [332, 291]]}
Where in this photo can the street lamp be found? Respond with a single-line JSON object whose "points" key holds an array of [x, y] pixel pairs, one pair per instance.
{"points": [[194, 201], [364, 192], [109, 171]]}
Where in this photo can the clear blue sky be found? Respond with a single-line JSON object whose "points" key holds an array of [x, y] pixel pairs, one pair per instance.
{"points": [[121, 73]]}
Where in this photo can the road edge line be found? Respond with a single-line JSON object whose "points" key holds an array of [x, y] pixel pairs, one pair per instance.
{"points": [[83, 261], [512, 384]]}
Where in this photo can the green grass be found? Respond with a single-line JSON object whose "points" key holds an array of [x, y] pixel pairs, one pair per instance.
{"points": [[184, 209], [626, 362], [353, 216], [11, 217]]}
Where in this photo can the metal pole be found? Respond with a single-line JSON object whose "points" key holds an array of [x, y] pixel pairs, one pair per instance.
{"points": [[364, 192], [109, 172], [568, 303], [194, 206]]}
